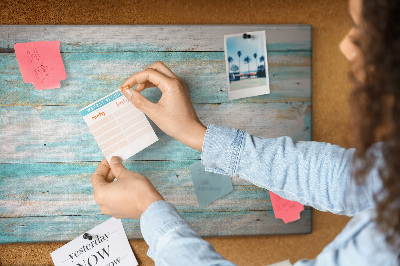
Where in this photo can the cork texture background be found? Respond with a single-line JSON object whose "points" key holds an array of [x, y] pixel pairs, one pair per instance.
{"points": [[330, 22]]}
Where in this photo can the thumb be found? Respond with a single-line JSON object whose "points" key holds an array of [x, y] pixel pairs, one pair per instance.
{"points": [[138, 100], [117, 168], [99, 176]]}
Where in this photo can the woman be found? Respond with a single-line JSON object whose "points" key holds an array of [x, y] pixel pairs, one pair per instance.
{"points": [[363, 183]]}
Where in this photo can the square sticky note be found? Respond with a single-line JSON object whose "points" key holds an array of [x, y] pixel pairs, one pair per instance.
{"points": [[209, 186], [119, 128], [41, 63]]}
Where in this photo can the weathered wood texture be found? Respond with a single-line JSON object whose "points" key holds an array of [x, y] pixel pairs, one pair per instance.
{"points": [[48, 154]]}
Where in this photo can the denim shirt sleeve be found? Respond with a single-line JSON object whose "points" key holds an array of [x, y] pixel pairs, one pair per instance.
{"points": [[313, 173], [172, 241]]}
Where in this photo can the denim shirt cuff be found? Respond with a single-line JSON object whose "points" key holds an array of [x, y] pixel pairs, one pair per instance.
{"points": [[221, 149], [158, 219]]}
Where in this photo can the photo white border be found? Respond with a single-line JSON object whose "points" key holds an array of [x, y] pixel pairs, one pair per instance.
{"points": [[247, 92]]}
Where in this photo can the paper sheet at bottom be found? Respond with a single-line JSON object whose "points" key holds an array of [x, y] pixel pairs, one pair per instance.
{"points": [[282, 263], [109, 246]]}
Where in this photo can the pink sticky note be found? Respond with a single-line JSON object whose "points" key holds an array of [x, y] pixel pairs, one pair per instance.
{"points": [[41, 63], [284, 209]]}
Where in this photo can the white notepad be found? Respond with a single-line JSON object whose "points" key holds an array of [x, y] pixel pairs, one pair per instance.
{"points": [[108, 246], [119, 128]]}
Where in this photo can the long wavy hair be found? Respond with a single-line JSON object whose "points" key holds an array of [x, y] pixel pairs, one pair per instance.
{"points": [[375, 103]]}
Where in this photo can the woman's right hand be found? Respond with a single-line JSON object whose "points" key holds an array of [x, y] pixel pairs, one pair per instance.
{"points": [[173, 113]]}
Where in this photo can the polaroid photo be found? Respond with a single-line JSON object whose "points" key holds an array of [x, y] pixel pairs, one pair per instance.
{"points": [[246, 64]]}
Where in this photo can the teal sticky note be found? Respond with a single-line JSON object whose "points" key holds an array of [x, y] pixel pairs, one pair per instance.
{"points": [[209, 186]]}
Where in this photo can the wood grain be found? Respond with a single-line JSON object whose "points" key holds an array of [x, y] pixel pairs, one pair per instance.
{"points": [[146, 38], [219, 223], [204, 74], [44, 140], [59, 134], [63, 189]]}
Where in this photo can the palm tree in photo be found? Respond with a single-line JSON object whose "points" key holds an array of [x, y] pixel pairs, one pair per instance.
{"points": [[262, 73], [239, 54], [255, 57], [247, 60], [230, 60], [234, 68], [262, 60]]}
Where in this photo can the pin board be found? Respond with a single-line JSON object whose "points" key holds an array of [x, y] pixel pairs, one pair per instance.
{"points": [[48, 155]]}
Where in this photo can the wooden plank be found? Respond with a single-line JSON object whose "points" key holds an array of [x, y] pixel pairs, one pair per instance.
{"points": [[72, 200], [60, 189], [204, 74], [66, 228], [59, 134], [171, 38]]}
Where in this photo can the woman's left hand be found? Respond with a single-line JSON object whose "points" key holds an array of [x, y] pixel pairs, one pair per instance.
{"points": [[127, 197]]}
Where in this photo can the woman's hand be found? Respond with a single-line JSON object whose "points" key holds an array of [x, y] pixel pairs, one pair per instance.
{"points": [[173, 113], [127, 197]]}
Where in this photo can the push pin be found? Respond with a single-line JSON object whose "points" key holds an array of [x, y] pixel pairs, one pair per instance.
{"points": [[87, 236], [246, 36]]}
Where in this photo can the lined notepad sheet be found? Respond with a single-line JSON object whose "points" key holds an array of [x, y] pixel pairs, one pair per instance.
{"points": [[119, 128]]}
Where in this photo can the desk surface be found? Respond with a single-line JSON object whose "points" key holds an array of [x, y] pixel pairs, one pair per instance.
{"points": [[48, 154]]}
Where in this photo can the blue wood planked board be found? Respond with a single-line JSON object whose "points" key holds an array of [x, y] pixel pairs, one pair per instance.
{"points": [[65, 189], [204, 74], [219, 223], [44, 139], [152, 38], [59, 133]]}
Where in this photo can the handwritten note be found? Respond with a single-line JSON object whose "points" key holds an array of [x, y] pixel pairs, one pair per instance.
{"points": [[108, 246], [119, 128], [41, 63], [284, 209], [209, 186]]}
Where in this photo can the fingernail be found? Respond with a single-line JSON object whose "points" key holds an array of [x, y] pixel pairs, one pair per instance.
{"points": [[128, 94], [115, 160]]}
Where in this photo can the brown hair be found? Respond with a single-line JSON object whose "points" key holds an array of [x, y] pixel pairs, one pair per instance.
{"points": [[375, 103]]}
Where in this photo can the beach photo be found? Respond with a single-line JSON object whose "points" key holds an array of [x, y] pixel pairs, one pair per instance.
{"points": [[246, 64]]}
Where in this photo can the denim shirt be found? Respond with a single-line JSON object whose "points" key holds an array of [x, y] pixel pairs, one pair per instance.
{"points": [[312, 173]]}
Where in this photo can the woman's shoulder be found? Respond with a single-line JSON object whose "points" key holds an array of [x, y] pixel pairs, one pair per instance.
{"points": [[362, 240]]}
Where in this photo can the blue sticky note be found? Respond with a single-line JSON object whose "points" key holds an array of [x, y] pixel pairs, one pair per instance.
{"points": [[209, 186]]}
